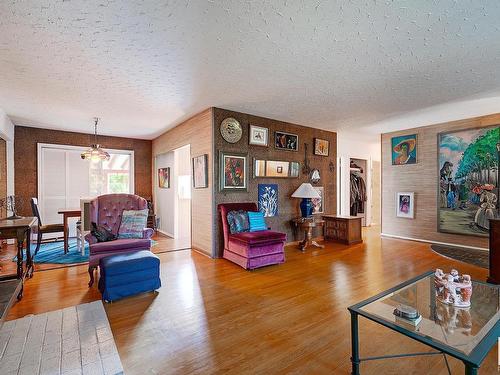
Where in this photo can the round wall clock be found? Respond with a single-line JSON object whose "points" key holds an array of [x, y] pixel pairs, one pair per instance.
{"points": [[230, 130]]}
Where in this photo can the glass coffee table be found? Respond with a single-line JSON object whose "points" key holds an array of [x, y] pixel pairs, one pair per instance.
{"points": [[467, 334]]}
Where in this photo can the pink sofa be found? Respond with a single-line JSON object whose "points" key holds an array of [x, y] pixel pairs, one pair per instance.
{"points": [[251, 249], [106, 210]]}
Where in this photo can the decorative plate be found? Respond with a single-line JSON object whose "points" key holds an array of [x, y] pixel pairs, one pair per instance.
{"points": [[230, 129]]}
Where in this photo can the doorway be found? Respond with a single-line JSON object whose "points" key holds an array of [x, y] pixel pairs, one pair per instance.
{"points": [[173, 198]]}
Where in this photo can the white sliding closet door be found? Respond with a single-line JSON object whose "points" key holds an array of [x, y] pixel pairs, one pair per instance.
{"points": [[63, 178]]}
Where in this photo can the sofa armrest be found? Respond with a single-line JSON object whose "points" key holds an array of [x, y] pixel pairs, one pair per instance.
{"points": [[90, 239], [147, 233]]}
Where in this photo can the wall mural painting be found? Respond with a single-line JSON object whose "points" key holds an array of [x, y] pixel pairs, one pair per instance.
{"points": [[468, 186], [268, 199]]}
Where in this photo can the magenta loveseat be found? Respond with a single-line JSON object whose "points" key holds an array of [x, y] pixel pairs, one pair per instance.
{"points": [[251, 249], [106, 210]]}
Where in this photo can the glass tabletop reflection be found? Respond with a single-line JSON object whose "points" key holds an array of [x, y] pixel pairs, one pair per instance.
{"points": [[459, 328]]}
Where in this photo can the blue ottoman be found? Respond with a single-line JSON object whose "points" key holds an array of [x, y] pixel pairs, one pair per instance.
{"points": [[127, 274]]}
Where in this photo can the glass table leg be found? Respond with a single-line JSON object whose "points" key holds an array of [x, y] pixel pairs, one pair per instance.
{"points": [[354, 343]]}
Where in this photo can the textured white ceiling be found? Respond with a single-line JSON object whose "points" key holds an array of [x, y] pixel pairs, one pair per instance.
{"points": [[143, 66]]}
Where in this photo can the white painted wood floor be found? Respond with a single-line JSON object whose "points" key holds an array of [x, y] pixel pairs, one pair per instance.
{"points": [[73, 341]]}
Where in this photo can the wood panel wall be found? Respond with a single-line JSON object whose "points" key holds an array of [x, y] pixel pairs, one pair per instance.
{"points": [[3, 174], [288, 207], [197, 132], [25, 157], [422, 178]]}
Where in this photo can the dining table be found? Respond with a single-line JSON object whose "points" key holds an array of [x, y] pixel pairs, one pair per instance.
{"points": [[67, 213]]}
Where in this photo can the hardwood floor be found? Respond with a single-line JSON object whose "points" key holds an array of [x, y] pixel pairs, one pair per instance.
{"points": [[213, 317]]}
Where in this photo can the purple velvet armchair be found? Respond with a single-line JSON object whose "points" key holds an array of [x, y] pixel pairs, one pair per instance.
{"points": [[251, 249], [106, 210]]}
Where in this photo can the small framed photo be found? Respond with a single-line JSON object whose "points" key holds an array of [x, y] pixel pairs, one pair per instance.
{"points": [[164, 178], [321, 147], [258, 136], [286, 141], [405, 205], [294, 168], [200, 171], [233, 171]]}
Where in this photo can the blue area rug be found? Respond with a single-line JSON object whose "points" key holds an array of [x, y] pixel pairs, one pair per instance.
{"points": [[53, 252]]}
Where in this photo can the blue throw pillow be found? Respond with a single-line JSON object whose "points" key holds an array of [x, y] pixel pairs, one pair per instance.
{"points": [[238, 221], [257, 221], [133, 223]]}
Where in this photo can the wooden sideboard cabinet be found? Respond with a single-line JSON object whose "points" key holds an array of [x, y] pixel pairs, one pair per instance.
{"points": [[494, 275], [343, 229]]}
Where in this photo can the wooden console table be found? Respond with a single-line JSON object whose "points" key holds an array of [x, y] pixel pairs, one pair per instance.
{"points": [[12, 285], [343, 229]]}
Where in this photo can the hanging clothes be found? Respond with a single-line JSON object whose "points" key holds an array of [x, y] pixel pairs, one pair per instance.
{"points": [[358, 194]]}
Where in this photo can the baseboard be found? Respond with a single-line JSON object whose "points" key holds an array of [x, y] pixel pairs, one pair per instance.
{"points": [[432, 242], [202, 252], [165, 233]]}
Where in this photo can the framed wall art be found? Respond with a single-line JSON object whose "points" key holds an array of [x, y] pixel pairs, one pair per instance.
{"points": [[286, 141], [277, 168], [164, 178], [405, 203], [258, 136], [321, 147], [233, 171], [200, 171], [268, 199], [318, 202], [468, 174], [404, 149]]}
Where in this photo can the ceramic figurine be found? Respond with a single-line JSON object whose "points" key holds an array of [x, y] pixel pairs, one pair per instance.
{"points": [[453, 289]]}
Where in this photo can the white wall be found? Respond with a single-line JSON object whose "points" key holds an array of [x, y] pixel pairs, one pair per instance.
{"points": [[358, 146], [183, 209], [7, 133], [165, 198]]}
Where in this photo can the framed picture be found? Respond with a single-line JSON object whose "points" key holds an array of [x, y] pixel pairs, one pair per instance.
{"points": [[286, 141], [318, 202], [404, 149], [294, 169], [258, 136], [277, 168], [405, 204], [268, 199], [467, 188], [321, 147], [200, 171], [233, 171], [164, 178]]}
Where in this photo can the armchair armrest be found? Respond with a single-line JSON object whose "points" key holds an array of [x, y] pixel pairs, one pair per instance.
{"points": [[90, 239], [147, 233]]}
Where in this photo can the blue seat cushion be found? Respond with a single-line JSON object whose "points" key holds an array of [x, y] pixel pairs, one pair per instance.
{"points": [[129, 263]]}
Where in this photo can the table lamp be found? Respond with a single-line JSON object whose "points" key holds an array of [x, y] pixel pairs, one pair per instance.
{"points": [[306, 192]]}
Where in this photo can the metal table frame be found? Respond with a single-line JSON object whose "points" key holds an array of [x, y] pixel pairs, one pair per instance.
{"points": [[471, 361]]}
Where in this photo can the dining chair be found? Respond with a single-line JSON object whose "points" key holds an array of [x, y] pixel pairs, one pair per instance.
{"points": [[43, 229]]}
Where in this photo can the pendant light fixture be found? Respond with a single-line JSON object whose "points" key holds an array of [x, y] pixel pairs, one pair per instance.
{"points": [[95, 152]]}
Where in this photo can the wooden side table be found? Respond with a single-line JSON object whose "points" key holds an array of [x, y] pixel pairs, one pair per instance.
{"points": [[343, 229], [67, 213], [307, 225]]}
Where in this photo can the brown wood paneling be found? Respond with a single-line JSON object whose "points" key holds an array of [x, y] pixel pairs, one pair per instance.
{"points": [[25, 157], [197, 132], [288, 207], [3, 173], [422, 178]]}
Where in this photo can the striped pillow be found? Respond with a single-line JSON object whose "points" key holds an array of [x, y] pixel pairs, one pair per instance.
{"points": [[133, 223], [257, 221]]}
